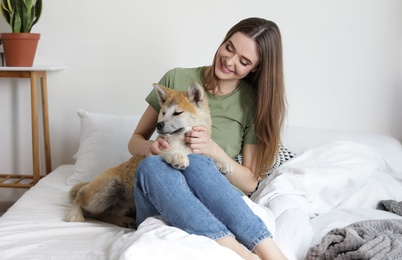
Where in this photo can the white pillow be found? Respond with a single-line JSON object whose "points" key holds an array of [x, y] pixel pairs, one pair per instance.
{"points": [[103, 144]]}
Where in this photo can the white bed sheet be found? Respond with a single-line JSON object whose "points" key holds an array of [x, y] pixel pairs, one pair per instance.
{"points": [[34, 228], [303, 209]]}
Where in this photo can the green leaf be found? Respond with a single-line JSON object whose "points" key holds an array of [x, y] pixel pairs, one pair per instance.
{"points": [[38, 11], [16, 23], [6, 12], [21, 14]]}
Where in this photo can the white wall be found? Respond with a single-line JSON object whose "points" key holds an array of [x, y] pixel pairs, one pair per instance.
{"points": [[343, 63]]}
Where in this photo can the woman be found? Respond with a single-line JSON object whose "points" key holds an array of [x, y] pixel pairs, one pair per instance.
{"points": [[245, 91]]}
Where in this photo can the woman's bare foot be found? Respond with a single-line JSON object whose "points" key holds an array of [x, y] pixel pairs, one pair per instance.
{"points": [[231, 243], [267, 249]]}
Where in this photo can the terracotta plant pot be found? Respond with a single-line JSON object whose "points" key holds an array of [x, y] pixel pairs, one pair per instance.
{"points": [[19, 48]]}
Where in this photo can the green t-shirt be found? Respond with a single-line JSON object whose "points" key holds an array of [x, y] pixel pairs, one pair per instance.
{"points": [[232, 115]]}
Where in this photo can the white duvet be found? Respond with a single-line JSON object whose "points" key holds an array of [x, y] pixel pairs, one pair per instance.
{"points": [[329, 186]]}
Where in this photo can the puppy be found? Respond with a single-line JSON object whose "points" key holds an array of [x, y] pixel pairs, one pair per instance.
{"points": [[109, 197]]}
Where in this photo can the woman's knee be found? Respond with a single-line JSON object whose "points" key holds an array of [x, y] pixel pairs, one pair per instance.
{"points": [[201, 167], [154, 169], [149, 161], [197, 160], [147, 167]]}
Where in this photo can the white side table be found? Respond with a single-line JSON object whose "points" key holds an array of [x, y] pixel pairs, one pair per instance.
{"points": [[34, 74]]}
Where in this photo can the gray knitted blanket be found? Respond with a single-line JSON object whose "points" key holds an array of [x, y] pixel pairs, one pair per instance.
{"points": [[391, 206], [370, 239]]}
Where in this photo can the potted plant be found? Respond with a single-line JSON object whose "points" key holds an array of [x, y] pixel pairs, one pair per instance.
{"points": [[20, 45]]}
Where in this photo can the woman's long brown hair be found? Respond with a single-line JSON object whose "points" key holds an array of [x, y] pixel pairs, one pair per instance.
{"points": [[268, 82]]}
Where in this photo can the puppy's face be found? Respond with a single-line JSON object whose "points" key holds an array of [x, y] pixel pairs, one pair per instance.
{"points": [[180, 111], [174, 119]]}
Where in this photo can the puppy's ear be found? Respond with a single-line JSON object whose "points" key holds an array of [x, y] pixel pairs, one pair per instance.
{"points": [[195, 93], [162, 93]]}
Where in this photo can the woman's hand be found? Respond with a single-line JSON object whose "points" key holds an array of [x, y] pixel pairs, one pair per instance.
{"points": [[156, 147], [199, 141]]}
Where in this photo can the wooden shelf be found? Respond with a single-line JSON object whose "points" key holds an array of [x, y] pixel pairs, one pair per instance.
{"points": [[16, 181], [34, 74]]}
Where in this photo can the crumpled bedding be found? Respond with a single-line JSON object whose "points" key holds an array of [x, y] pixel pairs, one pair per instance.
{"points": [[337, 179], [327, 187], [370, 239]]}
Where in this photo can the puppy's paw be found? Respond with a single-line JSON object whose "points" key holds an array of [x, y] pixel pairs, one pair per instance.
{"points": [[223, 166], [76, 214], [176, 160], [128, 222], [75, 218]]}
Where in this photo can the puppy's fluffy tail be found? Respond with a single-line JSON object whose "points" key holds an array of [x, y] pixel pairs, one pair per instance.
{"points": [[74, 190]]}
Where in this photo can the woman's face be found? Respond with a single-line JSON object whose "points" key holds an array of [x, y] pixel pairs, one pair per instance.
{"points": [[236, 57]]}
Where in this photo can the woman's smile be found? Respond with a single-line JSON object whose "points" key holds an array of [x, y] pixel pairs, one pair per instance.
{"points": [[224, 68]]}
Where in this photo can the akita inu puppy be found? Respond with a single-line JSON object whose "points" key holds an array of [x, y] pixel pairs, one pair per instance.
{"points": [[109, 197]]}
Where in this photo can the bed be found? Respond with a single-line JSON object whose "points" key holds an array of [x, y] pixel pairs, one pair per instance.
{"points": [[336, 179]]}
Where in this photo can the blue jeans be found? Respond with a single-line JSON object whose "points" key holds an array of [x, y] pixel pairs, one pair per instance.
{"points": [[198, 200]]}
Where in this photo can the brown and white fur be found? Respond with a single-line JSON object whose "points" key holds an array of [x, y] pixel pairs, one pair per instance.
{"points": [[109, 197]]}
